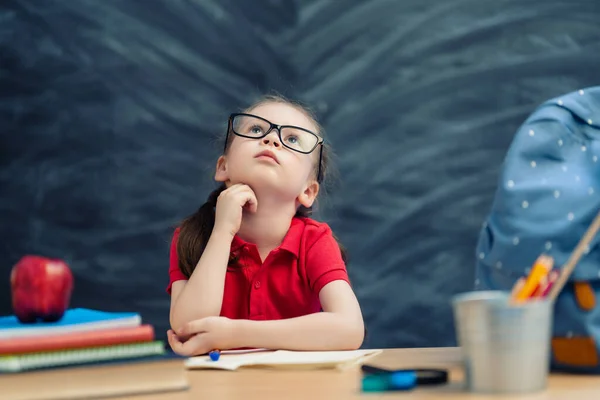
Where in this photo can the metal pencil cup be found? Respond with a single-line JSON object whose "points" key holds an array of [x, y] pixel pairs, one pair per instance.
{"points": [[506, 347]]}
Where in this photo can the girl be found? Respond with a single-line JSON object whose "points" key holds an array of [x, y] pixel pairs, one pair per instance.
{"points": [[249, 268]]}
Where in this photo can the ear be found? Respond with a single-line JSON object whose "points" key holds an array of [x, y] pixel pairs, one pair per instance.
{"points": [[309, 194], [221, 174]]}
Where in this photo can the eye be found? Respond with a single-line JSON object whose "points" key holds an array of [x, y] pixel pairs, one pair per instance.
{"points": [[255, 129], [292, 139]]}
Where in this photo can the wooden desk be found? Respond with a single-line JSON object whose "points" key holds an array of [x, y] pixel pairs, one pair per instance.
{"points": [[255, 384]]}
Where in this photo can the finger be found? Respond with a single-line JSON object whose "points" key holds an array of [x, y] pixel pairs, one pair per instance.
{"points": [[179, 337], [248, 197], [176, 345], [187, 348], [244, 195], [236, 188], [196, 345], [231, 189], [172, 332], [251, 203], [175, 337], [192, 327], [242, 187]]}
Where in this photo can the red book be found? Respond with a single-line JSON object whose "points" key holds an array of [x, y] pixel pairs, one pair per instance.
{"points": [[77, 340]]}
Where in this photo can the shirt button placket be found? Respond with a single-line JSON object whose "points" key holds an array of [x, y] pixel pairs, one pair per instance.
{"points": [[256, 300]]}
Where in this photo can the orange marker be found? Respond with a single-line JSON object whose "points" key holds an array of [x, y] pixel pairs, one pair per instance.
{"points": [[541, 268]]}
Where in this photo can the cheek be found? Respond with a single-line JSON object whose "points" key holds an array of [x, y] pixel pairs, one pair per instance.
{"points": [[238, 153], [237, 145], [301, 167], [306, 166]]}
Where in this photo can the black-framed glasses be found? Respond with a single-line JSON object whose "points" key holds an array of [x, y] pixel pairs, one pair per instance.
{"points": [[292, 137]]}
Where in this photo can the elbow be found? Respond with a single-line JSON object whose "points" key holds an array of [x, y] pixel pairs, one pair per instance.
{"points": [[179, 320], [175, 322], [179, 324], [356, 338], [354, 335], [175, 316]]}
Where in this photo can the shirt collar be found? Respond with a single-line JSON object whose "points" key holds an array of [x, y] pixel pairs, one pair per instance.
{"points": [[290, 243]]}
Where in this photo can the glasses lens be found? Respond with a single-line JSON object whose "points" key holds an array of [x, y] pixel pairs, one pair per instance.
{"points": [[293, 138], [298, 139], [249, 126]]}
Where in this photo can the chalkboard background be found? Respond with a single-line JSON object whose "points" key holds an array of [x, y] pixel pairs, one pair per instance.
{"points": [[109, 110]]}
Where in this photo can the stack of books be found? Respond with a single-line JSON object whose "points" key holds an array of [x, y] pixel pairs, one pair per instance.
{"points": [[87, 353]]}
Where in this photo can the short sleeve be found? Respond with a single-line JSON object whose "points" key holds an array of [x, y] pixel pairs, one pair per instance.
{"points": [[175, 273], [324, 263]]}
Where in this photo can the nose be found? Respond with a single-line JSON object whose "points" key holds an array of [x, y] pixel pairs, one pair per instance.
{"points": [[272, 137]]}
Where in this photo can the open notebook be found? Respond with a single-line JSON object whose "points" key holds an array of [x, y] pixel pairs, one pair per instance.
{"points": [[283, 359]]}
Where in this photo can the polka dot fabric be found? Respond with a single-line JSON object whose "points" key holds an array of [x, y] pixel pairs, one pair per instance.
{"points": [[547, 196]]}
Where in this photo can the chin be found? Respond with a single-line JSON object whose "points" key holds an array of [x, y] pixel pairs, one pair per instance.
{"points": [[264, 183], [271, 184], [257, 178]]}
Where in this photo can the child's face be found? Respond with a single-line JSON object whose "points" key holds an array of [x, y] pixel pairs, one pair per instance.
{"points": [[291, 175]]}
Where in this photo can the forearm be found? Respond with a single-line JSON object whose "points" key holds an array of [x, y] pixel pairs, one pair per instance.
{"points": [[202, 295], [319, 331]]}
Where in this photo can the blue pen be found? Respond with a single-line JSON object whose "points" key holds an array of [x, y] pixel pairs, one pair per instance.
{"points": [[382, 380], [214, 355]]}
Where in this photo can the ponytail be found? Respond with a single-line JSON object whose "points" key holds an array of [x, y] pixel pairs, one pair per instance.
{"points": [[194, 233]]}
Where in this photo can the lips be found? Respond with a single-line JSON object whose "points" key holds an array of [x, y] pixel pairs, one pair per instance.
{"points": [[268, 153]]}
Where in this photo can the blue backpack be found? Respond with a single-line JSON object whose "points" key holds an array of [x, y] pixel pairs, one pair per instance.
{"points": [[548, 194]]}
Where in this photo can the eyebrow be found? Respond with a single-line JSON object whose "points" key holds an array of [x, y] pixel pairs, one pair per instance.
{"points": [[312, 129]]}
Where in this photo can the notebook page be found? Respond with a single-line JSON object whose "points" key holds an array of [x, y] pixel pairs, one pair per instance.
{"points": [[284, 359], [227, 361], [244, 351]]}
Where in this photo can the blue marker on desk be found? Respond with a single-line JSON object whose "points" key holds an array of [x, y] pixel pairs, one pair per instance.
{"points": [[214, 355], [382, 380]]}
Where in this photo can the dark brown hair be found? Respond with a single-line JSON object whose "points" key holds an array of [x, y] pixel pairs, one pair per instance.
{"points": [[196, 229]]}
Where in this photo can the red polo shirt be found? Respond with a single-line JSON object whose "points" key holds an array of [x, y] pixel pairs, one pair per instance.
{"points": [[287, 284]]}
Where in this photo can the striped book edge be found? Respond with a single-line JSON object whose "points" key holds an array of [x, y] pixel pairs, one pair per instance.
{"points": [[32, 361]]}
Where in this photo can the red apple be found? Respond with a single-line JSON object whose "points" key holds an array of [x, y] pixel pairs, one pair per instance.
{"points": [[41, 288]]}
